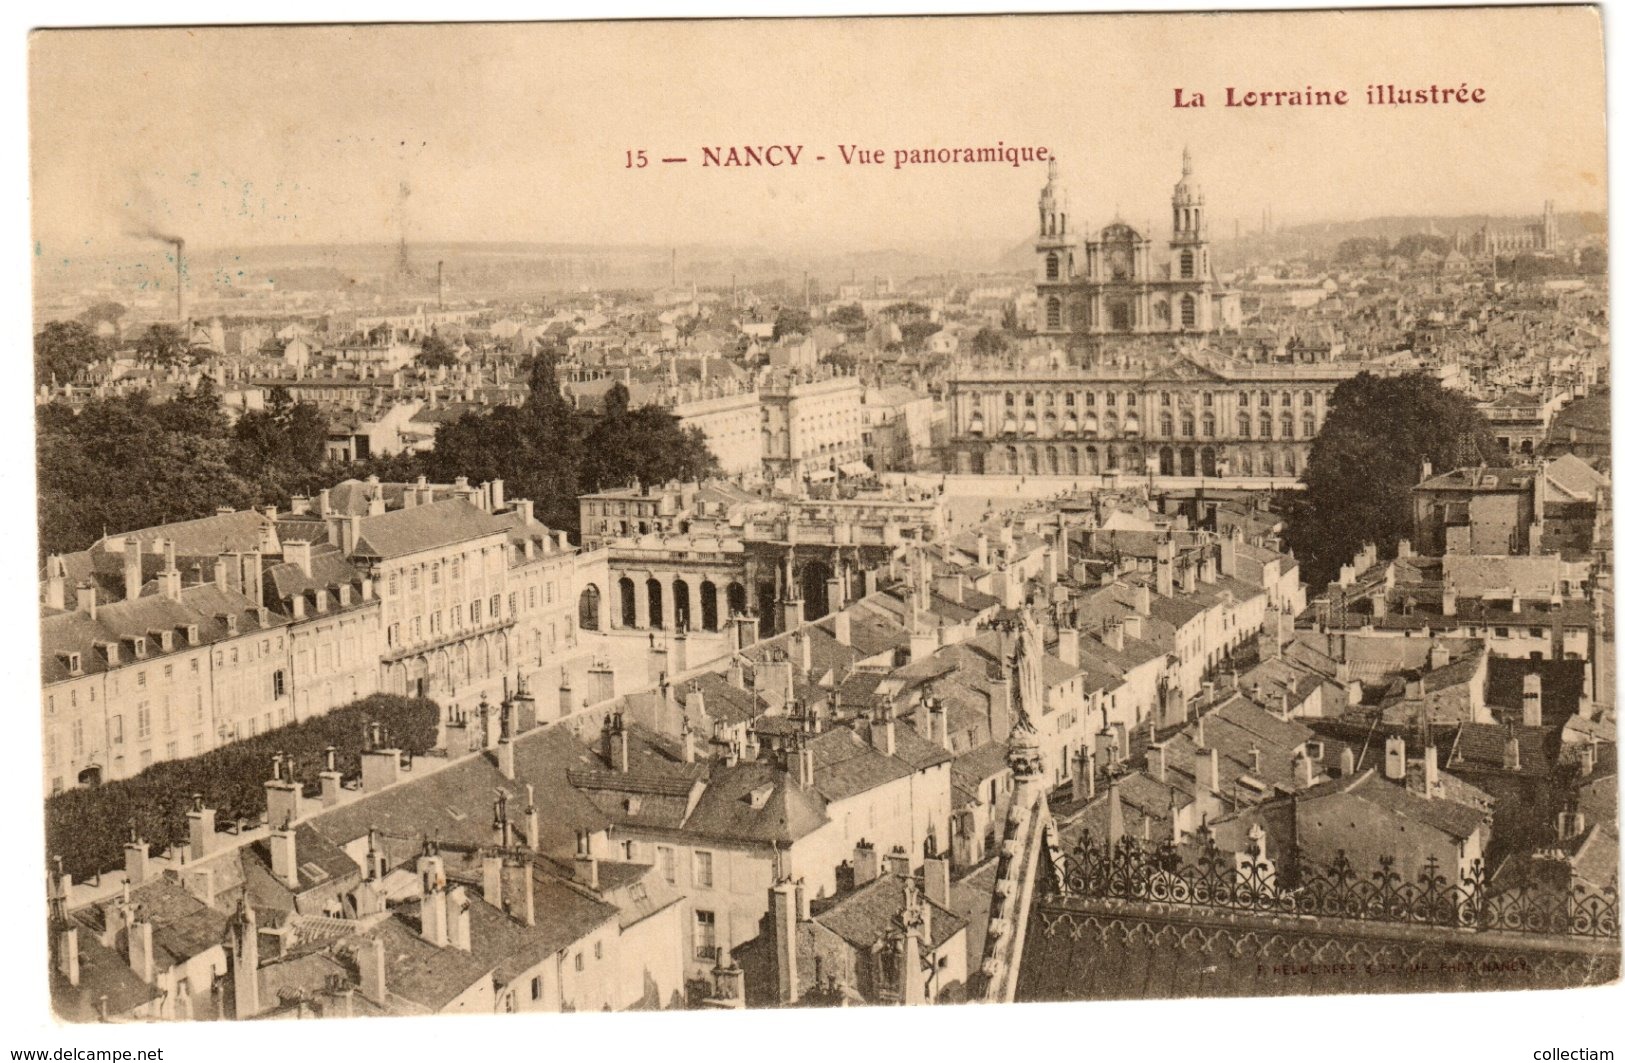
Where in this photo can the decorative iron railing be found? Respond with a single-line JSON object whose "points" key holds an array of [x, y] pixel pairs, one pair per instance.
{"points": [[1134, 871]]}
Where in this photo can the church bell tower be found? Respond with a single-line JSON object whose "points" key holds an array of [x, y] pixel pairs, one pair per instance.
{"points": [[1055, 245]]}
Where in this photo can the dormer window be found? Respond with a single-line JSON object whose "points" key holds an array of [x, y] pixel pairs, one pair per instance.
{"points": [[165, 639], [191, 634], [76, 664], [231, 624], [138, 646]]}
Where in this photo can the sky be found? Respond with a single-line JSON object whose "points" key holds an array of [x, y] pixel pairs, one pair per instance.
{"points": [[238, 137]]}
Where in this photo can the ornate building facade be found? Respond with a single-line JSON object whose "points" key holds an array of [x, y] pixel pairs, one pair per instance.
{"points": [[1179, 415], [1134, 383], [1121, 284]]}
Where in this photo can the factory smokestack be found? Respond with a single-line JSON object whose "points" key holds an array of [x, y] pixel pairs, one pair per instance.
{"points": [[180, 280], [179, 244]]}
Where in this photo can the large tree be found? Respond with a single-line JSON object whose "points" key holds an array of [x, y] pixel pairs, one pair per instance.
{"points": [[436, 352], [161, 345], [127, 462], [646, 445], [63, 348], [1357, 488]]}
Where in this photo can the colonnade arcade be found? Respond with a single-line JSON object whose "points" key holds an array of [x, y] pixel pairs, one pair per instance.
{"points": [[443, 669], [707, 597]]}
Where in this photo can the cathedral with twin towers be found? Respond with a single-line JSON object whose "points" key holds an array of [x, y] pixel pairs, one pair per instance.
{"points": [[1147, 372], [1118, 281]]}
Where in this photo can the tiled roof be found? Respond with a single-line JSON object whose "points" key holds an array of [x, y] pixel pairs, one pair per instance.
{"points": [[755, 801], [844, 764], [67, 632], [1454, 818], [236, 532], [425, 974], [1482, 747], [869, 913], [408, 531], [454, 804]]}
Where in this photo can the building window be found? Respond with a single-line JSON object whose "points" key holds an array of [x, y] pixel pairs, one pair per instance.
{"points": [[702, 870], [705, 935], [1187, 264], [668, 862], [279, 684], [1052, 267], [536, 988], [581, 961], [1052, 313]]}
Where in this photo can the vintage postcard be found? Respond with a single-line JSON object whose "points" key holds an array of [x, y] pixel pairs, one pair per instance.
{"points": [[822, 512]]}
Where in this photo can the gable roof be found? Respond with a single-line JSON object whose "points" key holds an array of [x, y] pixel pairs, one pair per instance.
{"points": [[408, 531]]}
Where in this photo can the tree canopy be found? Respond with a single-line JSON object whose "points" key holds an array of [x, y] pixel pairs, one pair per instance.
{"points": [[549, 452], [988, 342], [790, 322], [87, 826], [62, 349], [130, 462], [161, 344], [1378, 433], [436, 352]]}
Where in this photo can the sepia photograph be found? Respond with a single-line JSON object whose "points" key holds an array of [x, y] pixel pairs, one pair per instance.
{"points": [[729, 514]]}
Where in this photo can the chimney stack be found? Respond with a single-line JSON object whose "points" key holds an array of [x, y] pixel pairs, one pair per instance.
{"points": [[1207, 771], [199, 829], [132, 568], [370, 960], [136, 856], [1393, 765], [782, 915], [1531, 700], [865, 863], [586, 865], [1511, 759], [284, 856]]}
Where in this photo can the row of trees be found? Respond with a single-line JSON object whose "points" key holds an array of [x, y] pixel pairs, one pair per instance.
{"points": [[64, 349], [88, 826], [1357, 486], [130, 461], [1409, 246], [548, 451]]}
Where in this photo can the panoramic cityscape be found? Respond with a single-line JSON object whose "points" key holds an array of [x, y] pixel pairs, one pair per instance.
{"points": [[1186, 605]]}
